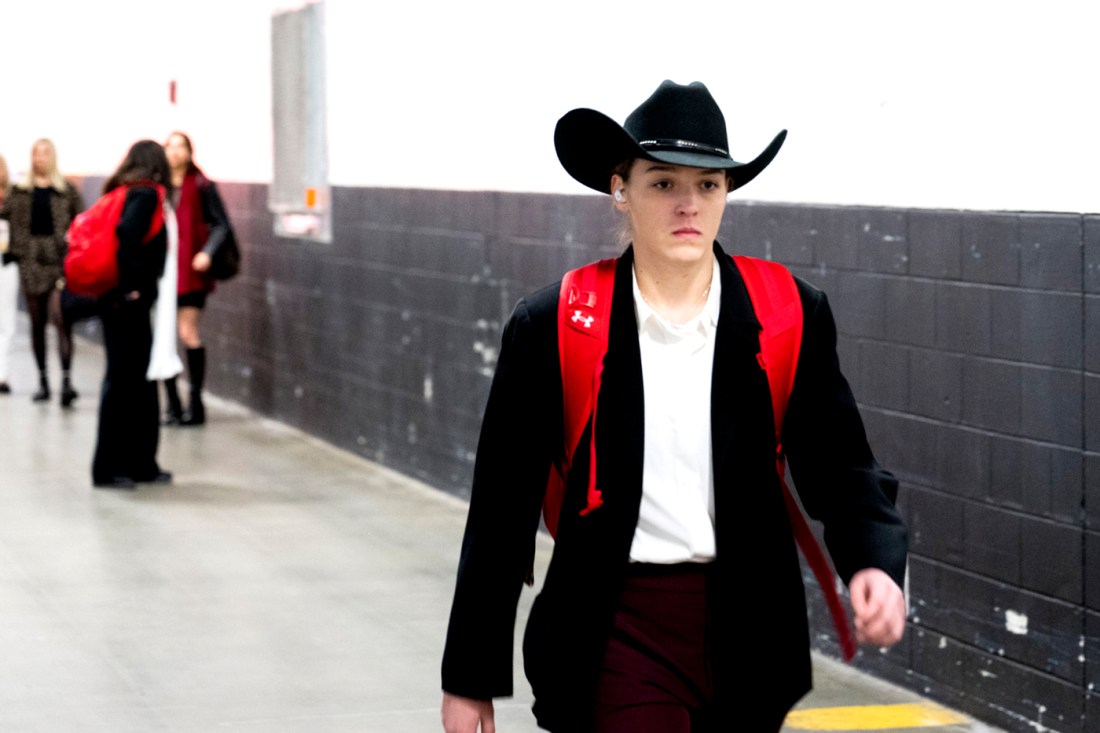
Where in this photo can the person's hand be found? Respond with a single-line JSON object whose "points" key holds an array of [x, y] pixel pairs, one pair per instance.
{"points": [[200, 262], [879, 606], [462, 714]]}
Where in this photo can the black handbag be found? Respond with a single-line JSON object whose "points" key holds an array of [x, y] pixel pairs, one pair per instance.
{"points": [[225, 257], [226, 261]]}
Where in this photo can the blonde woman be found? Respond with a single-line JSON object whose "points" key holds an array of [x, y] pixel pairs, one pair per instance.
{"points": [[9, 289], [39, 210]]}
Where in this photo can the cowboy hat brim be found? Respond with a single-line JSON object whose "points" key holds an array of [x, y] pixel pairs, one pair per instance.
{"points": [[590, 144]]}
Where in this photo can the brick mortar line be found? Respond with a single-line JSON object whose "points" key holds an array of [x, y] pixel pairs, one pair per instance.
{"points": [[968, 354], [893, 412], [1084, 491]]}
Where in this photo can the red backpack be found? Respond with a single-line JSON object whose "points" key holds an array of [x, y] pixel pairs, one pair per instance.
{"points": [[584, 315], [91, 263]]}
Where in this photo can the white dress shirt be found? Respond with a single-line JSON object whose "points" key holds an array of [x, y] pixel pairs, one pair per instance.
{"points": [[676, 522]]}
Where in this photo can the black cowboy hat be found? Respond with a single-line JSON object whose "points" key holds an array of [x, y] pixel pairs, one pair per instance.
{"points": [[678, 124]]}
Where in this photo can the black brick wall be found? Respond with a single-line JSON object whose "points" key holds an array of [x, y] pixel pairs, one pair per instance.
{"points": [[969, 339]]}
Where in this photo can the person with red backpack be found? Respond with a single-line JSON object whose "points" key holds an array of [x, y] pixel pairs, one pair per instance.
{"points": [[129, 414], [648, 405]]}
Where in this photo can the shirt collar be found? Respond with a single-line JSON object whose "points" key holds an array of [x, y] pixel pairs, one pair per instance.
{"points": [[706, 321]]}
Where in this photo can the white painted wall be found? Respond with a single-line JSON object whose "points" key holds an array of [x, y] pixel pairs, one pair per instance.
{"points": [[976, 104], [95, 76]]}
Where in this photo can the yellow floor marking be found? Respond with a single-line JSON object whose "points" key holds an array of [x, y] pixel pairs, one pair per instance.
{"points": [[873, 717]]}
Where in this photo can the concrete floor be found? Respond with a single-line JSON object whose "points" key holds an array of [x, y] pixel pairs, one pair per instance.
{"points": [[280, 585]]}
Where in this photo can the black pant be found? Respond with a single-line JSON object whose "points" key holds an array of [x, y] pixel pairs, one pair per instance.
{"points": [[129, 415]]}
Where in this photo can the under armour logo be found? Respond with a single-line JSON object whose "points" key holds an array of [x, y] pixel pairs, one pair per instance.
{"points": [[578, 317]]}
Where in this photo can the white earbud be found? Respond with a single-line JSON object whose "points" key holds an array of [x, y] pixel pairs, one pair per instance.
{"points": [[619, 195]]}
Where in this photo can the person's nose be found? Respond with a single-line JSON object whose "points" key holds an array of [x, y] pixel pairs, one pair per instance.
{"points": [[688, 203]]}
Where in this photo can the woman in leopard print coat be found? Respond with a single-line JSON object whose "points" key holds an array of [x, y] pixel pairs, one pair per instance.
{"points": [[39, 210]]}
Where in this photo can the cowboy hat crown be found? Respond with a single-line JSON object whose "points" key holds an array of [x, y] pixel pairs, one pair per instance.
{"points": [[679, 124]]}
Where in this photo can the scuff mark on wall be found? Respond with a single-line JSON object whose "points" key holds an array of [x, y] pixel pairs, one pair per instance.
{"points": [[1033, 724], [1015, 622], [488, 357]]}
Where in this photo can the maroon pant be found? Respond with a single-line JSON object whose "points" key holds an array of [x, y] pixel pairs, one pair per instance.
{"points": [[656, 674]]}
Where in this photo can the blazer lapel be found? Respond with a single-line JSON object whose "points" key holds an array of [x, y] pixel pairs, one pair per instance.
{"points": [[742, 428], [621, 415], [742, 425]]}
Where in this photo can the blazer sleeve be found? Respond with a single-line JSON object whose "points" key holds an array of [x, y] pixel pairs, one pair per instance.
{"points": [[137, 215], [515, 450], [834, 470], [218, 228], [17, 211]]}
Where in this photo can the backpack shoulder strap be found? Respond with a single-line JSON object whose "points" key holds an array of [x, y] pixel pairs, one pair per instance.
{"points": [[778, 307], [116, 200], [584, 315]]}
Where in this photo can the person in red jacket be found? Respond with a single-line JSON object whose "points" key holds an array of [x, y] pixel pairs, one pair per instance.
{"points": [[659, 599], [204, 229]]}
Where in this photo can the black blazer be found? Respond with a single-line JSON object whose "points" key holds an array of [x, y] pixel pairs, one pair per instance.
{"points": [[758, 609]]}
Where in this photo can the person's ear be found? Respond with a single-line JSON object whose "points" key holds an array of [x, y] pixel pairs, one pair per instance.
{"points": [[618, 192]]}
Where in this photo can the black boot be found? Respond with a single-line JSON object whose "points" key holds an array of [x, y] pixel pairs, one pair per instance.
{"points": [[43, 392], [68, 394], [174, 415], [196, 372]]}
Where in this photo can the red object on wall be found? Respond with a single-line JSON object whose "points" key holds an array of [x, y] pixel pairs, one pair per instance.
{"points": [[172, 91]]}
